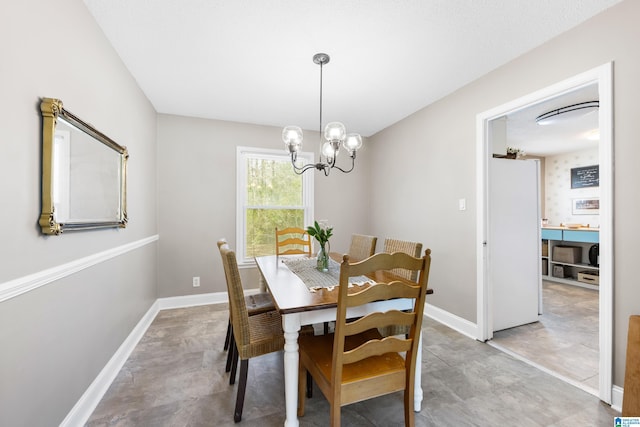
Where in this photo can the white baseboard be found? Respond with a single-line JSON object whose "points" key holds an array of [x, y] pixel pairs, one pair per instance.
{"points": [[616, 398], [199, 299], [456, 323], [84, 407], [192, 300]]}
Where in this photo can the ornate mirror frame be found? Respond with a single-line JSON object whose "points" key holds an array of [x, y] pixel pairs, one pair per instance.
{"points": [[83, 183]]}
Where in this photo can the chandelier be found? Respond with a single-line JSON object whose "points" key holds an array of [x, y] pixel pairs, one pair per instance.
{"points": [[335, 134]]}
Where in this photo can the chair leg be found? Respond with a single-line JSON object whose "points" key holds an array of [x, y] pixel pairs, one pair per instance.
{"points": [[335, 414], [409, 414], [234, 364], [230, 353], [309, 385], [242, 386], [227, 340]]}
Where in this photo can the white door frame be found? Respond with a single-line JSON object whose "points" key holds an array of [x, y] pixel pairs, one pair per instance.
{"points": [[603, 76]]}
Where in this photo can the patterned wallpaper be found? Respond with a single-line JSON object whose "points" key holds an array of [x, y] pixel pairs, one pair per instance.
{"points": [[559, 195]]}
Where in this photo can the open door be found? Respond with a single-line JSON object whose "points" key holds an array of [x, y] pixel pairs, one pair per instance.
{"points": [[603, 76], [514, 242]]}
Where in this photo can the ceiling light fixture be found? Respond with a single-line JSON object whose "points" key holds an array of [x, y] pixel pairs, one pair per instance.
{"points": [[568, 112], [334, 134]]}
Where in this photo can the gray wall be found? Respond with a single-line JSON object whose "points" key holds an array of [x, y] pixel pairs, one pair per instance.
{"points": [[56, 339], [436, 147], [197, 198]]}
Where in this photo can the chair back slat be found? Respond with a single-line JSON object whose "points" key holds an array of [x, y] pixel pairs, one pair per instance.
{"points": [[377, 319], [383, 291], [385, 261], [377, 348], [292, 241]]}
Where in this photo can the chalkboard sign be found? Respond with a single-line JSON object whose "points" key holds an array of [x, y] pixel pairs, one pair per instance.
{"points": [[586, 176]]}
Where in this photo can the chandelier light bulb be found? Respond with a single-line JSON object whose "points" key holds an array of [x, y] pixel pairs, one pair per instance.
{"points": [[328, 151], [292, 137], [352, 142], [335, 131]]}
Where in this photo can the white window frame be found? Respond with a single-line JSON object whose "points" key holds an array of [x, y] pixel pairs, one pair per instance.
{"points": [[243, 153]]}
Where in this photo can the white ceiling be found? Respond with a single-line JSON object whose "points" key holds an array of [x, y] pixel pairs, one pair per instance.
{"points": [[564, 136], [250, 60]]}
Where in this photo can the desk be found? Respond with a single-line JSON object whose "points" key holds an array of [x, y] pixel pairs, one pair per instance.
{"points": [[298, 306]]}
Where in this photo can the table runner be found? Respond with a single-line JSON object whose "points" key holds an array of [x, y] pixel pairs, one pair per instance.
{"points": [[305, 269]]}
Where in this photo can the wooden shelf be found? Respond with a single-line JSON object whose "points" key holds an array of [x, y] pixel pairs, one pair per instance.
{"points": [[555, 237]]}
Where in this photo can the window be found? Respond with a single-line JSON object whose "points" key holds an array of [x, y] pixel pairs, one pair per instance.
{"points": [[270, 195]]}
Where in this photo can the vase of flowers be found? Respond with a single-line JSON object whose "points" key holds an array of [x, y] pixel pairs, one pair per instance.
{"points": [[321, 232]]}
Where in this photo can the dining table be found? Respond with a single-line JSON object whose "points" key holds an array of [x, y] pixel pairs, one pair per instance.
{"points": [[305, 296]]}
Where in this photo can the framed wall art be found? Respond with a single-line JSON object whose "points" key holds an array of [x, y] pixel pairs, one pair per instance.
{"points": [[585, 176], [586, 206]]}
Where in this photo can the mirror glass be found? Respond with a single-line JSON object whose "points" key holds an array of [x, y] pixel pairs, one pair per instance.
{"points": [[84, 174]]}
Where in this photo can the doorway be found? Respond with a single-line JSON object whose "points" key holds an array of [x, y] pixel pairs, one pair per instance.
{"points": [[602, 76]]}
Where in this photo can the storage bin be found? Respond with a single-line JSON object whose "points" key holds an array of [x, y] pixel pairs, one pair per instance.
{"points": [[545, 248], [590, 276], [559, 271], [545, 267], [568, 254]]}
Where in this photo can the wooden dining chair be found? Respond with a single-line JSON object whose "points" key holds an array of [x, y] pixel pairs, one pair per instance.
{"points": [[356, 363], [631, 396], [252, 336], [256, 304], [292, 241]]}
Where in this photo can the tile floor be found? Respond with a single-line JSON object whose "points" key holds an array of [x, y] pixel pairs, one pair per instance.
{"points": [[565, 340], [175, 377]]}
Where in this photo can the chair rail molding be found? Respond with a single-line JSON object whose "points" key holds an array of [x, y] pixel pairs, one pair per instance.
{"points": [[21, 285]]}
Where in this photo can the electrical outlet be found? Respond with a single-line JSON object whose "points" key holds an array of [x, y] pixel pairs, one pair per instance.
{"points": [[196, 282]]}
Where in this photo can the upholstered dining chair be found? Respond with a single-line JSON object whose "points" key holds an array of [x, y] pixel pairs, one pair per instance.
{"points": [[411, 248], [256, 304], [292, 241], [356, 363], [252, 336], [362, 247]]}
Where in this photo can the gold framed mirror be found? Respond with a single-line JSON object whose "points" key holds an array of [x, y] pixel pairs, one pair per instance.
{"points": [[84, 174]]}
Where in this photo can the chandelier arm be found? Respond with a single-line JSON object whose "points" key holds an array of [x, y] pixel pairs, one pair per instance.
{"points": [[353, 163], [304, 168]]}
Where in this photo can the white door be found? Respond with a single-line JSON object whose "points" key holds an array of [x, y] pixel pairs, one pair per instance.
{"points": [[514, 242]]}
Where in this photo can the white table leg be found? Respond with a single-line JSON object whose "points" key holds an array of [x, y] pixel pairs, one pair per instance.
{"points": [[417, 393], [291, 326], [261, 282]]}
